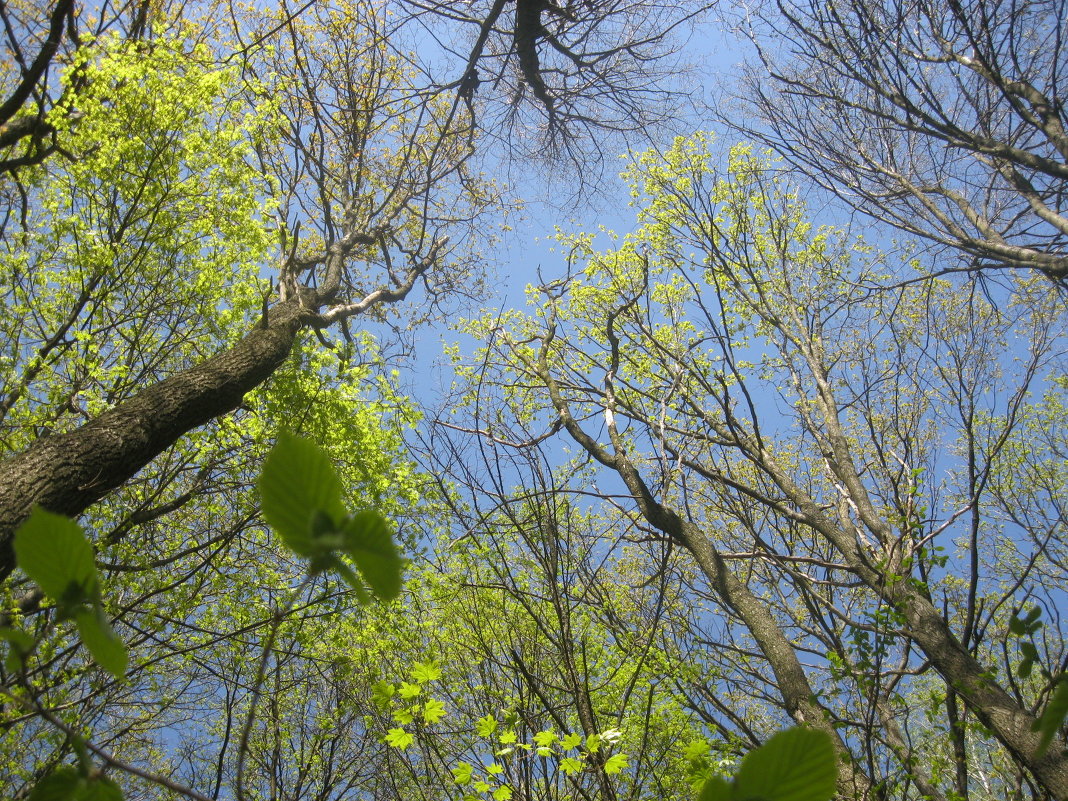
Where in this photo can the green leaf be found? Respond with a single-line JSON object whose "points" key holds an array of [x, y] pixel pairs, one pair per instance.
{"points": [[53, 551], [795, 765], [484, 727], [481, 787], [298, 481], [424, 672], [105, 646], [507, 737], [697, 751], [331, 562], [367, 541], [1053, 715], [381, 693], [101, 788], [405, 716], [571, 741], [409, 690], [462, 773], [593, 743], [399, 738], [716, 789], [433, 710], [494, 769], [571, 765], [615, 764], [62, 784], [502, 793], [544, 738]]}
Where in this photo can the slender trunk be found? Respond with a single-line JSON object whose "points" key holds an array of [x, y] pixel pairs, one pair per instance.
{"points": [[69, 472], [882, 571], [791, 680]]}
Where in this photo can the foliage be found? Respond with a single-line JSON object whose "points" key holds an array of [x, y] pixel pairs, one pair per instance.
{"points": [[301, 495], [794, 765], [735, 471], [834, 462], [53, 551]]}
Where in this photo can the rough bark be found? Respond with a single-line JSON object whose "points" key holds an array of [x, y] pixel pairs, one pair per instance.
{"points": [[69, 472]]}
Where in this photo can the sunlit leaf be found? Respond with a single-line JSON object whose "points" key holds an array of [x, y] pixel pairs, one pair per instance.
{"points": [[297, 481], [794, 765], [399, 738]]}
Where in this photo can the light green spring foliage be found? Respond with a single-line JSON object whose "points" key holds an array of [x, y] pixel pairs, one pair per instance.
{"points": [[141, 256], [726, 295], [411, 705], [142, 248], [301, 494], [500, 617]]}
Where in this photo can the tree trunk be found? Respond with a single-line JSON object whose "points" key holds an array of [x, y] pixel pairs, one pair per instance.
{"points": [[69, 472]]}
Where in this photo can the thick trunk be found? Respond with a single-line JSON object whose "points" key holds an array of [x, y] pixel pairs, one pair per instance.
{"points": [[69, 472]]}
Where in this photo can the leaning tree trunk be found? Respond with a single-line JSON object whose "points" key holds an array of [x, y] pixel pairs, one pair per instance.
{"points": [[68, 472]]}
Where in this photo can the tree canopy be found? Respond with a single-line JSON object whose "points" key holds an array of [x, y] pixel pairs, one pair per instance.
{"points": [[755, 499]]}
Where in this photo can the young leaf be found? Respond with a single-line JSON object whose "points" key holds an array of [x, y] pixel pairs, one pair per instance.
{"points": [[64, 783], [571, 741], [399, 738], [570, 765], [507, 737], [381, 693], [368, 542], [502, 793], [433, 711], [424, 672], [615, 764], [100, 788], [1053, 715], [409, 690], [611, 736], [484, 727], [462, 773], [716, 789], [494, 769], [794, 765], [103, 643], [298, 480], [52, 550], [697, 751], [544, 738]]}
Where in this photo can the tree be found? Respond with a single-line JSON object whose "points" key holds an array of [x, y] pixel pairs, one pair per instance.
{"points": [[945, 120], [382, 174], [140, 259], [825, 455], [570, 81], [205, 210]]}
